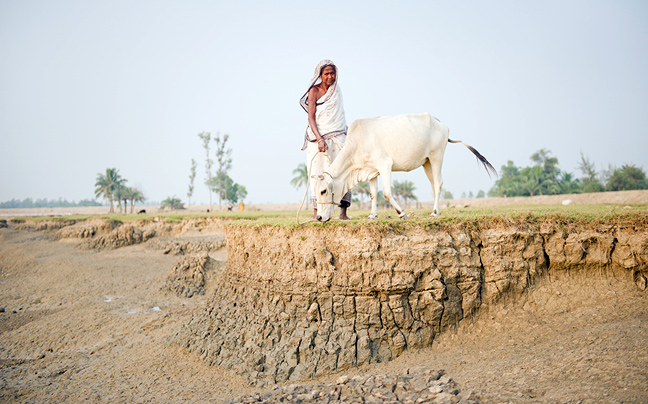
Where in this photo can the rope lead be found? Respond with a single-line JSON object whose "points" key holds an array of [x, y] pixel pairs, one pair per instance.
{"points": [[310, 165]]}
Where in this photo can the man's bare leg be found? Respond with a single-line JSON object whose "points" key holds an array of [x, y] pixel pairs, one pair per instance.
{"points": [[315, 213]]}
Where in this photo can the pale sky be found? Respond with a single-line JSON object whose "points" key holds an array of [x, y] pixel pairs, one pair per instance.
{"points": [[87, 85]]}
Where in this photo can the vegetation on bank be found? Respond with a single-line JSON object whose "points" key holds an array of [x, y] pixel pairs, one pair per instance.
{"points": [[529, 215], [523, 215], [172, 216]]}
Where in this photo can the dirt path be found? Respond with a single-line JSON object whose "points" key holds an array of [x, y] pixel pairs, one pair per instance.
{"points": [[80, 325]]}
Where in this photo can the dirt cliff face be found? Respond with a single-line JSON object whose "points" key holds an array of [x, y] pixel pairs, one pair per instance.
{"points": [[296, 303]]}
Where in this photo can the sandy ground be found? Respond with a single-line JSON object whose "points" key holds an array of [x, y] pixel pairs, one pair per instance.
{"points": [[80, 325]]}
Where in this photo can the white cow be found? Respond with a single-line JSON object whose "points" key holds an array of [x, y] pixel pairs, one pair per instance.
{"points": [[378, 146]]}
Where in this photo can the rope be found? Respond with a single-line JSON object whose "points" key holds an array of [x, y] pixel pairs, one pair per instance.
{"points": [[310, 165]]}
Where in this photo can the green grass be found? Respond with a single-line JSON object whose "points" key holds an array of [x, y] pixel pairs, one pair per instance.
{"points": [[173, 216], [531, 215]]}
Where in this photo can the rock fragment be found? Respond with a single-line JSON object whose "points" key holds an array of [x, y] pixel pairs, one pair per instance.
{"points": [[419, 385]]}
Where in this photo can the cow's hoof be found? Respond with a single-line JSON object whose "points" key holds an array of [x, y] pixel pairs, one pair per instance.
{"points": [[402, 216], [373, 217], [434, 213]]}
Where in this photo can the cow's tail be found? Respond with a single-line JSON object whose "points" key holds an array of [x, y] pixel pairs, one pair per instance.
{"points": [[489, 168]]}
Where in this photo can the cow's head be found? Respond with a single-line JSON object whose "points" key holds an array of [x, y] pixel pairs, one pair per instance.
{"points": [[328, 196]]}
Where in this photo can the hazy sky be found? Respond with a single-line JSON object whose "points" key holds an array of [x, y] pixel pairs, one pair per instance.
{"points": [[87, 85]]}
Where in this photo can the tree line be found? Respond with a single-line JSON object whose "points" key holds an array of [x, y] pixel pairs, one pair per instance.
{"points": [[544, 177], [45, 203]]}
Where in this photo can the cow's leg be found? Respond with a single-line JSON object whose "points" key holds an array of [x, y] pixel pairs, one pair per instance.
{"points": [[433, 172], [386, 181], [373, 194]]}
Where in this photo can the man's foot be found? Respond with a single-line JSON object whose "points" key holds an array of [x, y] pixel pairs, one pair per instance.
{"points": [[314, 213], [343, 215]]}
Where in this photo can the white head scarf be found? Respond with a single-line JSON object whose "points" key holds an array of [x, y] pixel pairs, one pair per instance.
{"points": [[316, 78]]}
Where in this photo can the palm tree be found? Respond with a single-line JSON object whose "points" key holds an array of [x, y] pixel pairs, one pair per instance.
{"points": [[121, 194], [107, 184], [301, 177], [172, 203], [133, 195], [362, 189], [568, 185], [531, 180], [404, 190]]}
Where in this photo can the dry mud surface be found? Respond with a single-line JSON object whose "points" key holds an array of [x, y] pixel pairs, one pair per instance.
{"points": [[87, 324]]}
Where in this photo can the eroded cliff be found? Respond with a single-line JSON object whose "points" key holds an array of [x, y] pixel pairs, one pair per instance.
{"points": [[294, 303]]}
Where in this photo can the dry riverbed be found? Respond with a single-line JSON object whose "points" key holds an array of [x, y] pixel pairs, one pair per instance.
{"points": [[78, 324]]}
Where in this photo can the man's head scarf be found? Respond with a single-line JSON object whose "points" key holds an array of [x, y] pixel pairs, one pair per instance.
{"points": [[316, 78]]}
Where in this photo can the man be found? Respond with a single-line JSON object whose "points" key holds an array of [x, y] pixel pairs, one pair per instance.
{"points": [[327, 126]]}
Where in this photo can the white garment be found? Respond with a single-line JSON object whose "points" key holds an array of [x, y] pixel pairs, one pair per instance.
{"points": [[330, 118], [329, 112], [331, 123]]}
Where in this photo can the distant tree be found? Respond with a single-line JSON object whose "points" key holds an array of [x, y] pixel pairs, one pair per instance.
{"points": [[88, 202], [300, 178], [590, 181], [548, 163], [29, 203], [172, 203], [106, 185], [381, 202], [545, 178], [531, 181], [507, 183], [235, 193], [362, 189], [230, 192], [471, 195], [480, 194], [121, 194], [240, 192], [192, 177], [628, 177], [404, 191], [445, 194], [540, 179], [550, 173], [206, 138], [224, 160], [133, 195], [569, 185]]}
